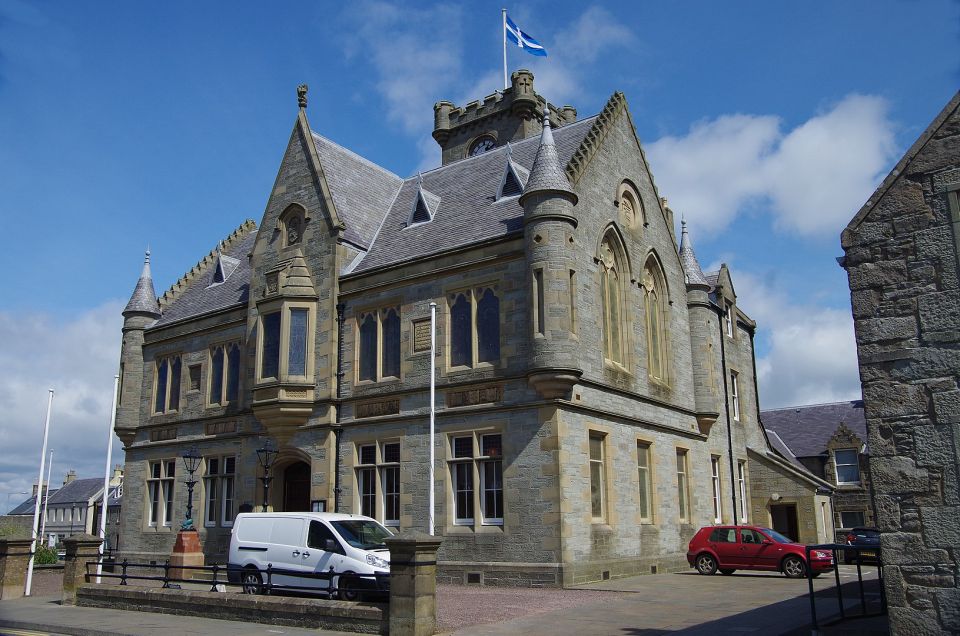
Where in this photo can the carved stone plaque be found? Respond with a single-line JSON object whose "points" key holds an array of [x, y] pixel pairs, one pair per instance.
{"points": [[472, 397], [273, 282], [163, 434], [421, 335], [376, 409], [218, 428]]}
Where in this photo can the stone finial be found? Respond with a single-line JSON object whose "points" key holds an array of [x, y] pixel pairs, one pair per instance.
{"points": [[302, 95]]}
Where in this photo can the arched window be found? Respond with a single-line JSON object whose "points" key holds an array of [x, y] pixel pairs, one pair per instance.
{"points": [[292, 223], [631, 208], [655, 314], [611, 296], [474, 327]]}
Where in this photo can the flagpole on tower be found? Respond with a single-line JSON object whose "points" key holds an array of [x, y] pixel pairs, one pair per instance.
{"points": [[503, 12]]}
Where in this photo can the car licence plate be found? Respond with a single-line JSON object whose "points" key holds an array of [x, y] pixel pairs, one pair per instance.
{"points": [[868, 553]]}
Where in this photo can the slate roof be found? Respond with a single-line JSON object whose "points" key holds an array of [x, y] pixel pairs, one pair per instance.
{"points": [[691, 266], [144, 298], [361, 190], [78, 490], [468, 212], [26, 508], [201, 296], [805, 430], [547, 174], [712, 278], [781, 447]]}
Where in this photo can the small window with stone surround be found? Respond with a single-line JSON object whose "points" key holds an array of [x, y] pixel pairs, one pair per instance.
{"points": [[847, 464]]}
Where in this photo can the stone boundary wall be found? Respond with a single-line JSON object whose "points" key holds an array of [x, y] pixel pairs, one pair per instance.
{"points": [[365, 618]]}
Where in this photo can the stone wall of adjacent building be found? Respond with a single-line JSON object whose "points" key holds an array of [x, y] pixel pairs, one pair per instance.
{"points": [[902, 263]]}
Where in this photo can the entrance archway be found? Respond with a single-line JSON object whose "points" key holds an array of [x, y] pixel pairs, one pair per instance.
{"points": [[296, 487]]}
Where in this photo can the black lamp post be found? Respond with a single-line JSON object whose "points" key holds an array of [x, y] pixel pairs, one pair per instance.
{"points": [[191, 461], [266, 454]]}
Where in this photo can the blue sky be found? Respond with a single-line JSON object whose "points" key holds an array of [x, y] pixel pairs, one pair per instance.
{"points": [[126, 124]]}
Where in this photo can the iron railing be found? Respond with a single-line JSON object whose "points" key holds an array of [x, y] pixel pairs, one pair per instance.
{"points": [[338, 584], [858, 552]]}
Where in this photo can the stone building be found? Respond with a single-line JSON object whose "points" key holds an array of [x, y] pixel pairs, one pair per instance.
{"points": [[901, 256], [829, 440], [595, 392]]}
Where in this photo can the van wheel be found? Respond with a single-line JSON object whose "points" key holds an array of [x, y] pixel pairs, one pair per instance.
{"points": [[347, 588], [252, 581]]}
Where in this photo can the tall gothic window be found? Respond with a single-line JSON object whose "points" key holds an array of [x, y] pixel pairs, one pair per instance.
{"points": [[379, 345], [224, 373], [285, 343], [655, 315], [611, 291], [474, 327], [167, 385]]}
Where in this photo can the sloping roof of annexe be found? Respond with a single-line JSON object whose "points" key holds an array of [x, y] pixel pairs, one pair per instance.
{"points": [[805, 430]]}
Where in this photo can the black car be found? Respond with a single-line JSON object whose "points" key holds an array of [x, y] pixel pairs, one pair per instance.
{"points": [[868, 540]]}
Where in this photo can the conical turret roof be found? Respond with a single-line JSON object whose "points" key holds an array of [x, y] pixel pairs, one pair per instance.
{"points": [[547, 175], [691, 266], [144, 298]]}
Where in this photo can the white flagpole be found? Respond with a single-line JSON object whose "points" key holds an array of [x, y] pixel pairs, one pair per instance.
{"points": [[106, 474], [43, 517], [506, 83], [433, 364], [36, 507]]}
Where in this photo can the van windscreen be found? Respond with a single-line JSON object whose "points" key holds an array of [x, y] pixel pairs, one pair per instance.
{"points": [[363, 534]]}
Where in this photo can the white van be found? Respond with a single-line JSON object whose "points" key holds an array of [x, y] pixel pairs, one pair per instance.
{"points": [[308, 542]]}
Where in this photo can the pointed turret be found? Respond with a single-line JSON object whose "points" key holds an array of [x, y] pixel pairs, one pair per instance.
{"points": [[703, 335], [550, 222], [691, 267], [142, 311], [144, 298], [547, 175]]}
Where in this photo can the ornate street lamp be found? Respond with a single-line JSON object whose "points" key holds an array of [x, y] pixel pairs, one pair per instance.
{"points": [[266, 454], [191, 461]]}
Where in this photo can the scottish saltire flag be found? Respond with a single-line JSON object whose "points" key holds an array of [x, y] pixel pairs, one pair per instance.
{"points": [[522, 40]]}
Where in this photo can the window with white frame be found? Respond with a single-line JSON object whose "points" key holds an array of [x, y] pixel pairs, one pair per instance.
{"points": [[735, 394], [474, 327], [742, 489], [166, 386], [729, 317], [224, 374], [848, 465], [160, 492], [646, 484], [378, 481], [476, 458], [683, 488], [715, 480], [378, 351], [218, 482], [597, 477]]}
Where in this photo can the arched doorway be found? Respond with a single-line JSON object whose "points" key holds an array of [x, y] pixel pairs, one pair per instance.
{"points": [[296, 487]]}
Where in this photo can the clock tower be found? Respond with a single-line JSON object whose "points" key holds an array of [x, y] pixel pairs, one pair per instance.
{"points": [[505, 116]]}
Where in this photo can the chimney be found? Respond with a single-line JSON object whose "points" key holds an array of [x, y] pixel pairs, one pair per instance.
{"points": [[72, 475], [117, 476], [35, 486]]}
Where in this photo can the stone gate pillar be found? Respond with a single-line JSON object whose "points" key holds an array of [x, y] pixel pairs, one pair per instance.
{"points": [[14, 558], [413, 584], [81, 549]]}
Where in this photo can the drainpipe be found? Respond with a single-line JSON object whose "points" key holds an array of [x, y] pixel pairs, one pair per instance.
{"points": [[726, 400], [338, 430]]}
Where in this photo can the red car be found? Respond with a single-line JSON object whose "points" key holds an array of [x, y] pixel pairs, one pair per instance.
{"points": [[731, 548]]}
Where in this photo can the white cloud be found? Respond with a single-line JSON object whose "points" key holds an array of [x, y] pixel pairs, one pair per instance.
{"points": [[812, 355], [78, 358], [813, 177]]}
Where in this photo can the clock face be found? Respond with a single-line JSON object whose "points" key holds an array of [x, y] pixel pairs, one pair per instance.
{"points": [[482, 145]]}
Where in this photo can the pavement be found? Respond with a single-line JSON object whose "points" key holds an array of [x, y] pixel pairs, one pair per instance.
{"points": [[681, 603]]}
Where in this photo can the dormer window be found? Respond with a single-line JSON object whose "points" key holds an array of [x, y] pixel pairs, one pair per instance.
{"points": [[512, 181], [425, 205]]}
